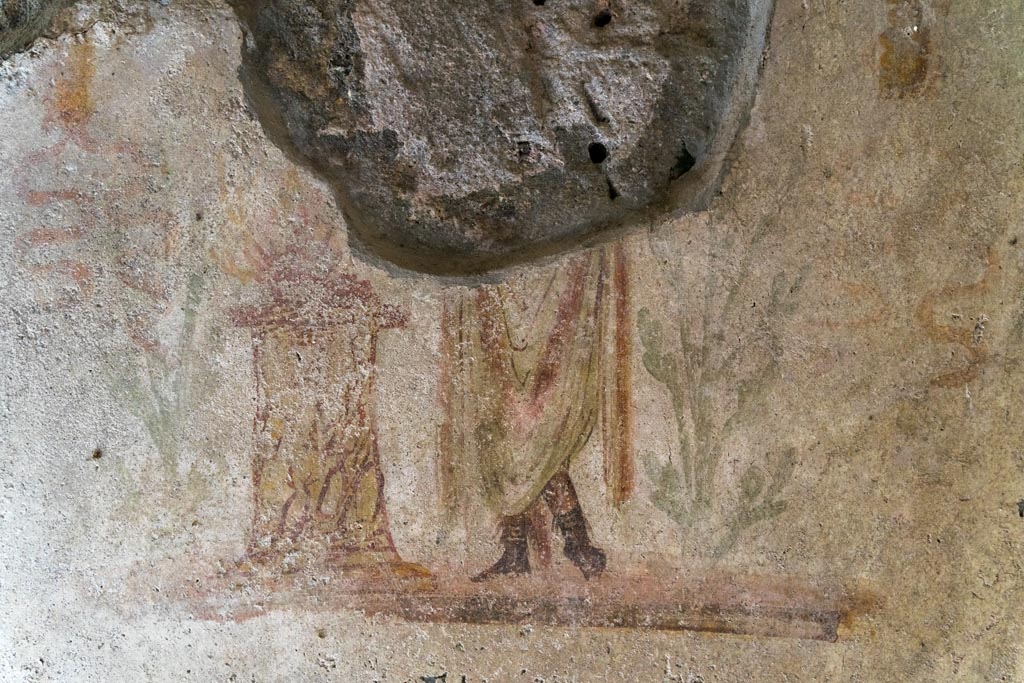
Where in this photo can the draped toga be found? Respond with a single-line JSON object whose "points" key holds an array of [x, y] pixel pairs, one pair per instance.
{"points": [[530, 371]]}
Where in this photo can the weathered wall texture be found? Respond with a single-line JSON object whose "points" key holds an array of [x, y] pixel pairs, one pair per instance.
{"points": [[231, 450], [461, 135]]}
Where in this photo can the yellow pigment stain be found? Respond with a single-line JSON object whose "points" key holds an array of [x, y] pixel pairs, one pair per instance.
{"points": [[903, 64], [73, 103]]}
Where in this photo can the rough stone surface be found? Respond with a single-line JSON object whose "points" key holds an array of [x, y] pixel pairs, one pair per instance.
{"points": [[824, 369], [460, 134], [21, 21]]}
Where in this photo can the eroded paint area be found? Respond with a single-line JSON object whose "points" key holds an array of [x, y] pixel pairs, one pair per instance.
{"points": [[233, 449]]}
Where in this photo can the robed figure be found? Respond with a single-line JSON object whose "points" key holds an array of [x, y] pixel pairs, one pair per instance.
{"points": [[532, 370]]}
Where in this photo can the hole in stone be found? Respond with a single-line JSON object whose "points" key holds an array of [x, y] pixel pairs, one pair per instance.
{"points": [[613, 194], [684, 162], [538, 3], [603, 18], [597, 152]]}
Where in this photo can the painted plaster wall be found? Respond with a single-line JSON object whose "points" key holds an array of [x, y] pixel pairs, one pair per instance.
{"points": [[850, 305]]}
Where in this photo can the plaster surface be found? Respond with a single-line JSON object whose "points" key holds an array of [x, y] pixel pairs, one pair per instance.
{"points": [[824, 474]]}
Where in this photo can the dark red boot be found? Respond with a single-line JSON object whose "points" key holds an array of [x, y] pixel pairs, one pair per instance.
{"points": [[515, 560]]}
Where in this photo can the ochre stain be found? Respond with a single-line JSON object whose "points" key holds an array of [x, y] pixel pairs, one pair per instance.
{"points": [[73, 103], [859, 601], [903, 66]]}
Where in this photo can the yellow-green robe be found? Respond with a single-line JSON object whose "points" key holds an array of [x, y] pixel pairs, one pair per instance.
{"points": [[531, 371]]}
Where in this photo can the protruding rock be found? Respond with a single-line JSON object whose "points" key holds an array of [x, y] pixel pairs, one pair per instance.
{"points": [[460, 135]]}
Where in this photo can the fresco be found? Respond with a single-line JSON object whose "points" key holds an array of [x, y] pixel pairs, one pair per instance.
{"points": [[317, 482], [536, 371], [776, 437], [532, 369]]}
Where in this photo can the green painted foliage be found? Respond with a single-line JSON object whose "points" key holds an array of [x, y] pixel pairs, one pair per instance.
{"points": [[719, 384]]}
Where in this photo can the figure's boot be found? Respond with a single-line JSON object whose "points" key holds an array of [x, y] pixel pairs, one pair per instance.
{"points": [[515, 560], [581, 552], [560, 495]]}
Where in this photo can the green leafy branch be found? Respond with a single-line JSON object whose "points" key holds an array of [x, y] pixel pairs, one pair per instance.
{"points": [[714, 393]]}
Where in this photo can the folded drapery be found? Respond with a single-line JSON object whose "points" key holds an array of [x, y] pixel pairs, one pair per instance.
{"points": [[529, 370]]}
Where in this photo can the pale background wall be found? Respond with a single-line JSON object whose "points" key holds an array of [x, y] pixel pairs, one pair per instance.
{"points": [[893, 217]]}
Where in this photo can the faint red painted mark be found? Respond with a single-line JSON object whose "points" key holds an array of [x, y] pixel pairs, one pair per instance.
{"points": [[965, 336]]}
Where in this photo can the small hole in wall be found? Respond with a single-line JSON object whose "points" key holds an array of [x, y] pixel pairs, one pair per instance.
{"points": [[684, 162], [597, 152], [97, 453], [613, 194], [538, 3], [603, 18]]}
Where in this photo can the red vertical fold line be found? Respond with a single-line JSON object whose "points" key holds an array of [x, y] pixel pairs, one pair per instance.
{"points": [[451, 326], [624, 481]]}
